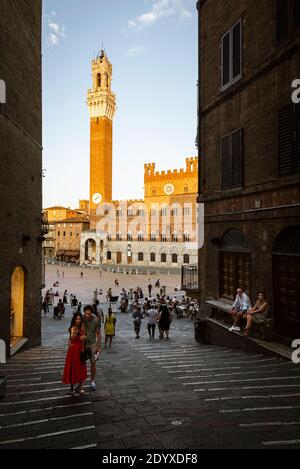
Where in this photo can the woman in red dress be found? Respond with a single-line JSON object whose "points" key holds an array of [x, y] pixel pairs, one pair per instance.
{"points": [[75, 370]]}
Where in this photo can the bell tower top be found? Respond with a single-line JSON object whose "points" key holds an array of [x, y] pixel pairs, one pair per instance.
{"points": [[101, 100]]}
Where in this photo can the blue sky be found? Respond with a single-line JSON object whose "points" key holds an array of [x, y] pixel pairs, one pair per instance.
{"points": [[152, 45]]}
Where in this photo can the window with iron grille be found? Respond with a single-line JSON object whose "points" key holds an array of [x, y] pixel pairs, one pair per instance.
{"points": [[174, 258], [163, 257], [140, 256], [287, 19], [232, 55], [232, 160], [152, 256], [289, 140], [186, 259]]}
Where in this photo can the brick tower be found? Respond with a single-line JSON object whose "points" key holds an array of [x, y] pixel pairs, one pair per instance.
{"points": [[102, 105]]}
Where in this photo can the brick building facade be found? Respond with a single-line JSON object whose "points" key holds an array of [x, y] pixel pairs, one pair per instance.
{"points": [[20, 174], [250, 154]]}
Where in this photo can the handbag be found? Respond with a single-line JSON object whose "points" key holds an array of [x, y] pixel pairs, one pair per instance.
{"points": [[85, 354]]}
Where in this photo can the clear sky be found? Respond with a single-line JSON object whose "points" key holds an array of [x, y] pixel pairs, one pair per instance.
{"points": [[152, 45]]}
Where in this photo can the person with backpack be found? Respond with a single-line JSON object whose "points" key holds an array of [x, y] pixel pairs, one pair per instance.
{"points": [[61, 309], [137, 320]]}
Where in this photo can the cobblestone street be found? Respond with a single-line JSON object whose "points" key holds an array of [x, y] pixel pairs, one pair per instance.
{"points": [[151, 394]]}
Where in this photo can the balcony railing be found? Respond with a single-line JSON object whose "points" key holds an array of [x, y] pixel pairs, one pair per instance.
{"points": [[189, 277]]}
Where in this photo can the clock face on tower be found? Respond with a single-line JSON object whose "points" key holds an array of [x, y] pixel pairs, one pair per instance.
{"points": [[97, 198], [169, 189]]}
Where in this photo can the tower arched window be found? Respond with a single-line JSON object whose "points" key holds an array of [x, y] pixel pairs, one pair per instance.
{"points": [[99, 80]]}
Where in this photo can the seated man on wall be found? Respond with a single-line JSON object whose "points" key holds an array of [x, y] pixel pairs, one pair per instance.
{"points": [[257, 314], [239, 308]]}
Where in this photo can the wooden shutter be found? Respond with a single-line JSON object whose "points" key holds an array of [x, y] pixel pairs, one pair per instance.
{"points": [[285, 140], [297, 137], [236, 50], [296, 14], [237, 158], [226, 161], [282, 19], [226, 59]]}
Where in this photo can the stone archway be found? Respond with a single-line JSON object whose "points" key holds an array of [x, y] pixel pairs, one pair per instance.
{"points": [[90, 250]]}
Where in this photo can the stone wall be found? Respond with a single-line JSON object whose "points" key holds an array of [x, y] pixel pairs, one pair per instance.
{"points": [[21, 161]]}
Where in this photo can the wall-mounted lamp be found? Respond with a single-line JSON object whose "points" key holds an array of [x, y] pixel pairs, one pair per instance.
{"points": [[25, 239]]}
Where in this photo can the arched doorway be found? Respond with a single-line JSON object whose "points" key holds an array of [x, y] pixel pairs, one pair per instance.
{"points": [[90, 250], [234, 264], [286, 282], [17, 305], [119, 257]]}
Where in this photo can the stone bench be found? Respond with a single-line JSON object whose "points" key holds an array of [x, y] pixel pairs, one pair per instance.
{"points": [[220, 310]]}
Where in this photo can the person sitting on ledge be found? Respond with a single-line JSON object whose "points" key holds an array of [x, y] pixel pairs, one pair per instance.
{"points": [[239, 308], [258, 313]]}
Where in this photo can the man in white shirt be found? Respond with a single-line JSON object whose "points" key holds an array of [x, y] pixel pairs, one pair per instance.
{"points": [[239, 308], [152, 318]]}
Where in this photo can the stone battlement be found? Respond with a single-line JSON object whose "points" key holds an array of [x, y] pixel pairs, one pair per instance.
{"points": [[129, 201], [191, 167]]}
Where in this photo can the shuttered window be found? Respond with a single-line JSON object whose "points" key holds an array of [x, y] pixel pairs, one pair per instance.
{"points": [[236, 50], [232, 160], [289, 140], [232, 55], [226, 59], [282, 19], [288, 19], [296, 14]]}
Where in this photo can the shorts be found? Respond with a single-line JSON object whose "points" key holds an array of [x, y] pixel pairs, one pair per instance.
{"points": [[93, 349]]}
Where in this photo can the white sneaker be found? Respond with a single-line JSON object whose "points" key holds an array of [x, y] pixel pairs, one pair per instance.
{"points": [[235, 328]]}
